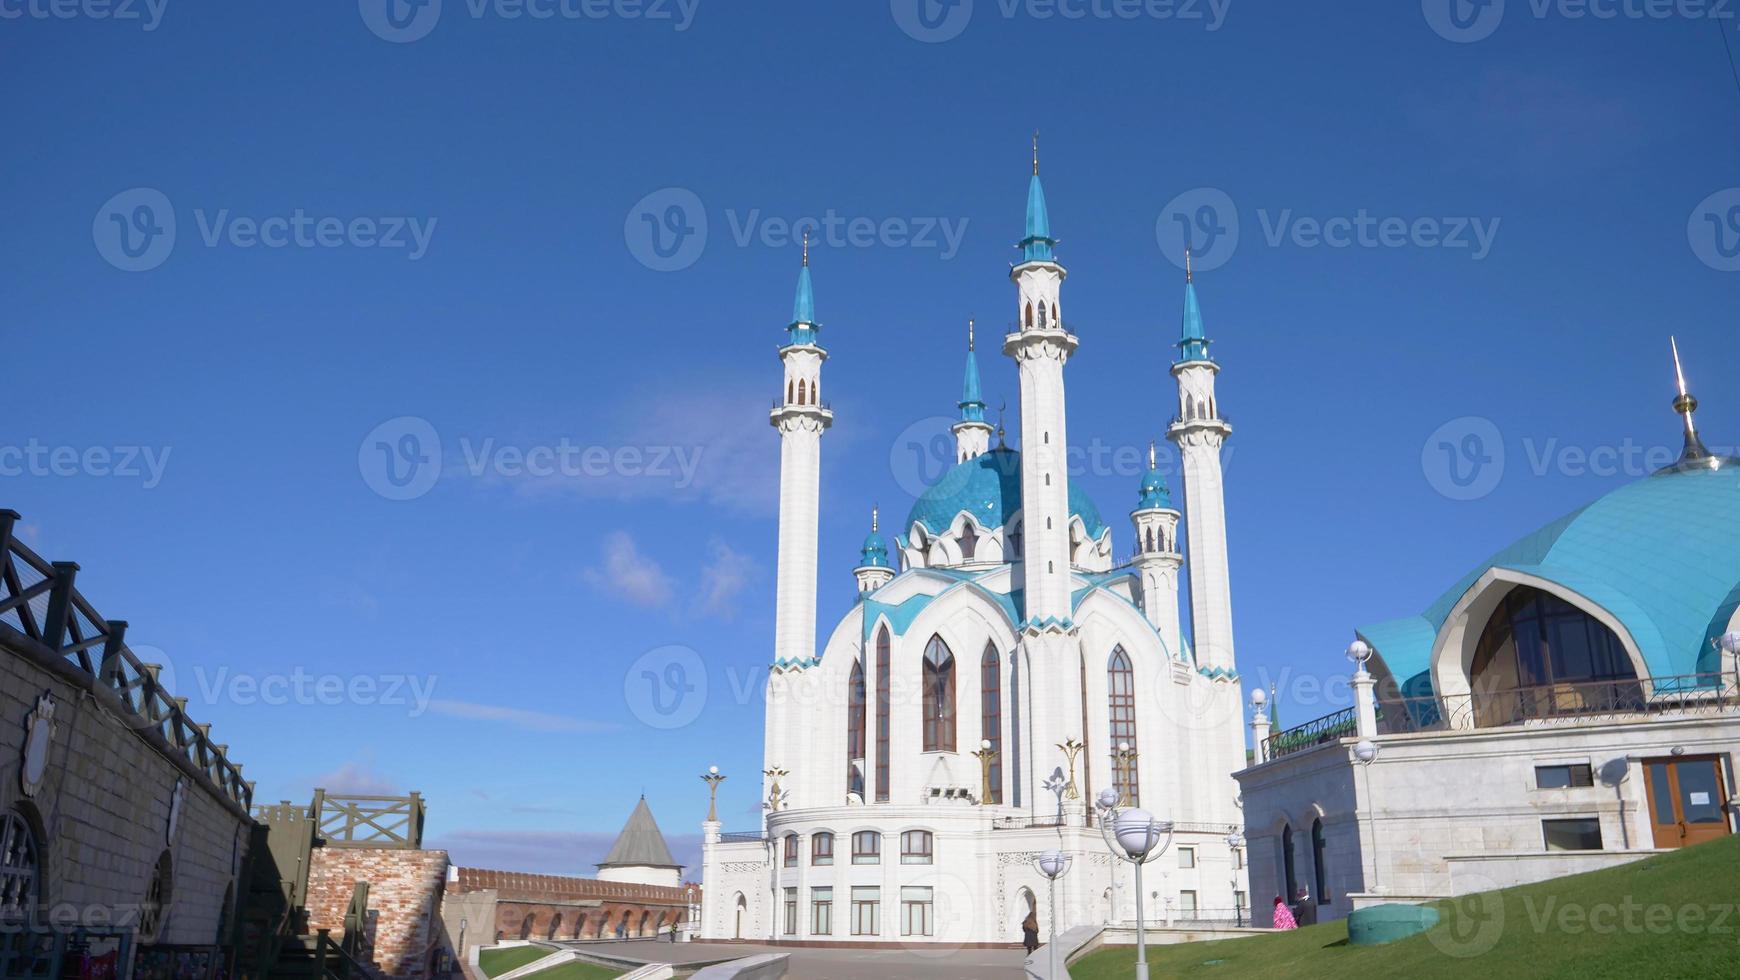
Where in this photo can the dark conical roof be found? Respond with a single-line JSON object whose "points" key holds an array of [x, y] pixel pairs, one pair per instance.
{"points": [[641, 844]]}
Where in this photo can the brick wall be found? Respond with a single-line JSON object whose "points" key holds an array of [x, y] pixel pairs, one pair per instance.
{"points": [[405, 890]]}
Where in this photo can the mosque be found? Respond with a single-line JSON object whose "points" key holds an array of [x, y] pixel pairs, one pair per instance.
{"points": [[1001, 667]]}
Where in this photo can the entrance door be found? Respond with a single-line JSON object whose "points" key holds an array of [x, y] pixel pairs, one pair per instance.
{"points": [[1687, 800]]}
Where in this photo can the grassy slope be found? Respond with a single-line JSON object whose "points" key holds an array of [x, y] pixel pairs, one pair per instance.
{"points": [[496, 962], [1684, 921], [575, 970]]}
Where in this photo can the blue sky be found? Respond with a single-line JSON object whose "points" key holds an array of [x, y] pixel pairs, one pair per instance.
{"points": [[460, 214]]}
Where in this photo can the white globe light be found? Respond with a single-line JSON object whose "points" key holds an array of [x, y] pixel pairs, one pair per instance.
{"points": [[1108, 798], [1366, 750], [1258, 697], [985, 744], [713, 770], [1731, 642], [1051, 864], [1359, 653], [1123, 746], [1137, 833]]}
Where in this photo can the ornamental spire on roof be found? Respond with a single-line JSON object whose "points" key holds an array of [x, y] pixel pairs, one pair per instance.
{"points": [[1037, 245], [972, 404], [1695, 456], [1192, 344], [804, 309]]}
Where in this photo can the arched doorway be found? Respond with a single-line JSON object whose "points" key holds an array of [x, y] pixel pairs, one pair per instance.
{"points": [[527, 924], [742, 906], [555, 925]]}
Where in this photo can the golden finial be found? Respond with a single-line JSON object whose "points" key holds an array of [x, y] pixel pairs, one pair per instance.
{"points": [[1188, 275], [806, 247], [969, 335], [1036, 153], [1685, 404]]}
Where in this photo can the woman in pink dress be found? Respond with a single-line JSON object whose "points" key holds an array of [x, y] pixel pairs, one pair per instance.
{"points": [[1284, 915]]}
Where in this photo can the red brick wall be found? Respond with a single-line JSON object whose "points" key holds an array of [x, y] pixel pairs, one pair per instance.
{"points": [[404, 899], [584, 902]]}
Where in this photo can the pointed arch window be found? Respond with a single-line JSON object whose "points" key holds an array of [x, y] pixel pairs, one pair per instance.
{"points": [[1319, 871], [939, 696], [882, 704], [1042, 320], [969, 542], [991, 715], [1121, 700], [1030, 316], [790, 393], [855, 731], [803, 389]]}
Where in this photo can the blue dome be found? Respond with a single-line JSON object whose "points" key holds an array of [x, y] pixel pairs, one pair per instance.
{"points": [[875, 552], [1661, 554], [1155, 493], [989, 488]]}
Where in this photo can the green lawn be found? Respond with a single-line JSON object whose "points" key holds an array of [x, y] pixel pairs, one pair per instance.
{"points": [[496, 962], [576, 970], [1671, 916]]}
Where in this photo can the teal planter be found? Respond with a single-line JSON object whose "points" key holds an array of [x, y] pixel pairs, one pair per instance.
{"points": [[1387, 923]]}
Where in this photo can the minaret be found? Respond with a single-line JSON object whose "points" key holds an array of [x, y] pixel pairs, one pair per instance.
{"points": [[1041, 345], [972, 432], [801, 417], [1199, 432], [1157, 559], [874, 569]]}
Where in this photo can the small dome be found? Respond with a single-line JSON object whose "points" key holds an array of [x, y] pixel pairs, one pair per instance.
{"points": [[874, 552], [1155, 493], [988, 487]]}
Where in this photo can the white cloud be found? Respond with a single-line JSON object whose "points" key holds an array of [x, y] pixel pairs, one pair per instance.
{"points": [[359, 777], [532, 721], [628, 574], [726, 573]]}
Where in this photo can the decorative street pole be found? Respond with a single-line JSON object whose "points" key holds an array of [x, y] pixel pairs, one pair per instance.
{"points": [[1071, 748], [1053, 864], [1235, 842], [1132, 834], [775, 795], [1366, 752], [712, 779], [986, 755], [1123, 760]]}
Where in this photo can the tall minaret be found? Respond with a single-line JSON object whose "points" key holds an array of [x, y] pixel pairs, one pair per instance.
{"points": [[1157, 559], [972, 432], [801, 417], [1040, 346], [1199, 433]]}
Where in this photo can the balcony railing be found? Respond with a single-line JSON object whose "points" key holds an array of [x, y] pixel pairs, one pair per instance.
{"points": [[743, 837], [1541, 704]]}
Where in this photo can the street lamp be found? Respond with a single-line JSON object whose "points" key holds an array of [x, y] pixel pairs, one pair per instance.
{"points": [[1365, 752], [712, 779], [1235, 842], [1132, 834], [1359, 652], [986, 755], [1054, 864]]}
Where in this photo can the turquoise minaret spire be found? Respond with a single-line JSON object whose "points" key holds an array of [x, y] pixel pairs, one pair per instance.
{"points": [[972, 432], [1192, 345], [1037, 246], [803, 314]]}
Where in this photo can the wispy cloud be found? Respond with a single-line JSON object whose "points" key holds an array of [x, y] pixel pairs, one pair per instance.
{"points": [[726, 574], [522, 718], [628, 574], [358, 776]]}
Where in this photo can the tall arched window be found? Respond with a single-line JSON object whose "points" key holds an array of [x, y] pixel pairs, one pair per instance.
{"points": [[790, 393], [1042, 321], [855, 731], [20, 869], [1541, 656], [1289, 874], [1029, 315], [802, 391], [1121, 700], [939, 696], [991, 715], [1318, 871], [969, 542], [882, 703]]}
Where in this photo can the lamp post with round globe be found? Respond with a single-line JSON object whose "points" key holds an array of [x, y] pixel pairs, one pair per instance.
{"points": [[1365, 752], [1730, 644], [1235, 843], [1134, 835], [1053, 864]]}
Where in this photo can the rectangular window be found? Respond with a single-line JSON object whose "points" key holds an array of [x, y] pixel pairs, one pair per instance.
{"points": [[916, 847], [1238, 858], [1564, 777], [916, 912], [791, 911], [1239, 902], [1187, 857], [821, 911], [1580, 834], [822, 849], [866, 911], [1187, 905], [791, 850], [866, 847]]}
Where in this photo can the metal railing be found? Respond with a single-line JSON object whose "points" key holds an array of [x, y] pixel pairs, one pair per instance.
{"points": [[1579, 702], [743, 837], [41, 608]]}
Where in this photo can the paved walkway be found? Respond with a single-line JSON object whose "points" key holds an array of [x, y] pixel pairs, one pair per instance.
{"points": [[844, 964]]}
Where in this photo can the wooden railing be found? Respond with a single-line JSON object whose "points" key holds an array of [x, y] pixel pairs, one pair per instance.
{"points": [[369, 821], [42, 610]]}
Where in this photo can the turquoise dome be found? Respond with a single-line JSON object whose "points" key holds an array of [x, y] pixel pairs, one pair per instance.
{"points": [[875, 552], [1155, 493], [1661, 554], [989, 488]]}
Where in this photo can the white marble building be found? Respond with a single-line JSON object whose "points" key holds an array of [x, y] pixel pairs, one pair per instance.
{"points": [[1569, 704], [906, 757]]}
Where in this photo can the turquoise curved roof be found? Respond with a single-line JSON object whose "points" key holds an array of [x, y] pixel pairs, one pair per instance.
{"points": [[1036, 245], [1192, 342], [1155, 493], [989, 488], [802, 330], [874, 554], [972, 404], [1662, 555]]}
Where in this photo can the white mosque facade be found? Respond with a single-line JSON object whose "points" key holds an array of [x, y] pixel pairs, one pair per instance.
{"points": [[997, 643]]}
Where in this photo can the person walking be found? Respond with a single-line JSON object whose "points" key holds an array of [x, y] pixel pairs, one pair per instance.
{"points": [[1284, 915], [1030, 931], [1304, 909]]}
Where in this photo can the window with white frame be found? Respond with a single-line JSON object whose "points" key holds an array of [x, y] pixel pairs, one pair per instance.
{"points": [[866, 847], [1187, 904], [1187, 857], [916, 847]]}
